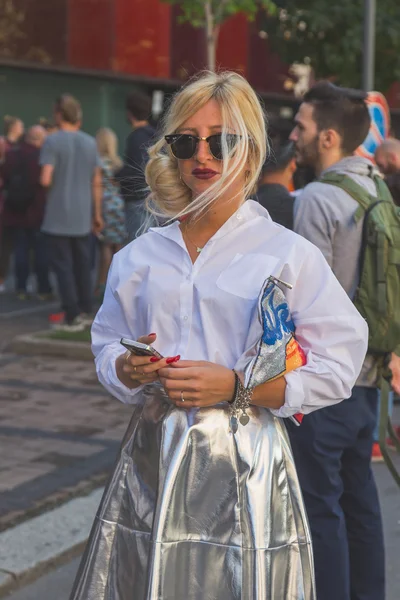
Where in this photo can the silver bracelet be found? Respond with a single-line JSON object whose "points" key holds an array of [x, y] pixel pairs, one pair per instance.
{"points": [[239, 405]]}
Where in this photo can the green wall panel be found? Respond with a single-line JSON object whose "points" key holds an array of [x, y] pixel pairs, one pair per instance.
{"points": [[30, 95]]}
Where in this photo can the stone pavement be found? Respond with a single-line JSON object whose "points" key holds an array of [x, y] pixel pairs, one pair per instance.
{"points": [[11, 305], [59, 433], [20, 317]]}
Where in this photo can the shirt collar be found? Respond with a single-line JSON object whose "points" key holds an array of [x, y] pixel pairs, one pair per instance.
{"points": [[248, 211]]}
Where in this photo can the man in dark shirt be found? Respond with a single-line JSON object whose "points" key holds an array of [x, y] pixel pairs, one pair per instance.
{"points": [[131, 176], [276, 178]]}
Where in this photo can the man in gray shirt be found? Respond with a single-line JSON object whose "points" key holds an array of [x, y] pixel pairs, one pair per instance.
{"points": [[332, 449], [71, 172]]}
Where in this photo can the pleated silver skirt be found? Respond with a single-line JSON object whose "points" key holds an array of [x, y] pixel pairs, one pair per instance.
{"points": [[193, 512]]}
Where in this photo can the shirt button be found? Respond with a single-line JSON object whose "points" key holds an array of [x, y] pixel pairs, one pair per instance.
{"points": [[239, 217], [185, 318]]}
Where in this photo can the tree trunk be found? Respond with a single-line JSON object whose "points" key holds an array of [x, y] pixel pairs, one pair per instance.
{"points": [[212, 32]]}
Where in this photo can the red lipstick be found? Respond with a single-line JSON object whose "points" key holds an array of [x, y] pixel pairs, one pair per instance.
{"points": [[204, 173]]}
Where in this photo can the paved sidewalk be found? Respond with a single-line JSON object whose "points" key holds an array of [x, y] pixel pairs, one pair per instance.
{"points": [[21, 317], [59, 433], [11, 305]]}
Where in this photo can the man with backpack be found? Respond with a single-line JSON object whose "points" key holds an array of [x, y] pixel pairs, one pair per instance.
{"points": [[23, 212], [349, 214]]}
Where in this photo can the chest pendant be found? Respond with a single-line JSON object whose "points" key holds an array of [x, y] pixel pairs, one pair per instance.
{"points": [[198, 250]]}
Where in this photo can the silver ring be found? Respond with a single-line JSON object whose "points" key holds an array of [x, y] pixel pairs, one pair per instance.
{"points": [[182, 398]]}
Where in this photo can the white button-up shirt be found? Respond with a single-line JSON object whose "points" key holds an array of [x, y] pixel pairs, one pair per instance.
{"points": [[208, 310]]}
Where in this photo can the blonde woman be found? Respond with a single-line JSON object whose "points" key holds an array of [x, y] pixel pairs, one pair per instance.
{"points": [[204, 501], [113, 236]]}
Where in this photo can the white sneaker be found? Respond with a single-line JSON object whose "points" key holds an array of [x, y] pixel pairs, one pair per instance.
{"points": [[76, 325], [86, 319]]}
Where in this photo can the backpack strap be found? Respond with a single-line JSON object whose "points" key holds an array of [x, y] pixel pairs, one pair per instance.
{"points": [[382, 189], [367, 202], [356, 191]]}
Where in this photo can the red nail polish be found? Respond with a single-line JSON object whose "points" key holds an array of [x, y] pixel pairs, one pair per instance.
{"points": [[154, 359], [152, 334], [173, 359]]}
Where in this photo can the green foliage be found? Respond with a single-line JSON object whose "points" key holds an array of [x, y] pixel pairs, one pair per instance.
{"points": [[330, 35], [193, 11]]}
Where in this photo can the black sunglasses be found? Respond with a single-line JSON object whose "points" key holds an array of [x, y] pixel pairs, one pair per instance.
{"points": [[184, 145]]}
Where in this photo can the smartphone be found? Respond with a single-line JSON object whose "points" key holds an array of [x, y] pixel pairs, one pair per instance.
{"points": [[139, 349]]}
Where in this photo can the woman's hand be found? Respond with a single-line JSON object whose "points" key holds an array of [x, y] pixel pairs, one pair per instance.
{"points": [[134, 371], [197, 383]]}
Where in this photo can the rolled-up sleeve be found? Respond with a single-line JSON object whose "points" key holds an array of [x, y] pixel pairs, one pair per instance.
{"points": [[332, 334], [108, 328]]}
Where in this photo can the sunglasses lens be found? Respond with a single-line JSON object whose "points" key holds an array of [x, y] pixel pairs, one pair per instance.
{"points": [[184, 147], [216, 144]]}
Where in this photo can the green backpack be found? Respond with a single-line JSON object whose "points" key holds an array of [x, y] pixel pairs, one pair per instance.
{"points": [[378, 294]]}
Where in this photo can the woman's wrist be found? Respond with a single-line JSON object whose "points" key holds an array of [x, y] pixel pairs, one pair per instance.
{"points": [[270, 394], [235, 389]]}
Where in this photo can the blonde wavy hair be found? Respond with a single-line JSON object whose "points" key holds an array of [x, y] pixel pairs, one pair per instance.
{"points": [[242, 114], [107, 145]]}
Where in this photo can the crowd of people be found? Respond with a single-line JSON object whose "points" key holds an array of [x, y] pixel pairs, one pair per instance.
{"points": [[57, 182], [184, 498], [68, 203]]}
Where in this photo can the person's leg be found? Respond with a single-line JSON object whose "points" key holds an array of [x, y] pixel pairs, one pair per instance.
{"points": [[376, 452], [106, 254], [360, 504], [41, 261], [60, 251], [94, 246], [22, 248], [318, 444], [375, 435], [6, 250], [81, 247], [377, 455]]}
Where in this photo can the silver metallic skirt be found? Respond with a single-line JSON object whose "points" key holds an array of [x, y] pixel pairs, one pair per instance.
{"points": [[194, 512]]}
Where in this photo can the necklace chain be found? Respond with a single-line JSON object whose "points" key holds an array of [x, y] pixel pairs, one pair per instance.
{"points": [[198, 248]]}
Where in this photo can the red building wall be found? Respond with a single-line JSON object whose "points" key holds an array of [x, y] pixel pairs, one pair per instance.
{"points": [[135, 37], [142, 34], [34, 31], [266, 72], [233, 47], [187, 48], [90, 33]]}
